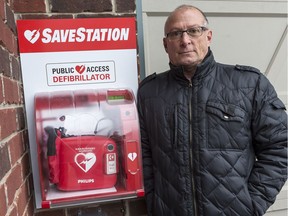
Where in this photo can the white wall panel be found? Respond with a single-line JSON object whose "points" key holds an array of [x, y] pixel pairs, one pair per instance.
{"points": [[250, 32]]}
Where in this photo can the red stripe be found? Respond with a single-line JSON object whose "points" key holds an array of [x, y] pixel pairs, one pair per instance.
{"points": [[57, 35]]}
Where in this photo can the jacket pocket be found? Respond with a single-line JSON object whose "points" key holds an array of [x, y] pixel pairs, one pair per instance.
{"points": [[226, 126], [226, 112], [178, 125]]}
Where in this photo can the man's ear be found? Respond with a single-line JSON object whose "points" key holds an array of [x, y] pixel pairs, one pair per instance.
{"points": [[209, 36], [165, 44]]}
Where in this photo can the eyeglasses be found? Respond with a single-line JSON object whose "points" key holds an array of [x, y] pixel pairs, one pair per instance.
{"points": [[192, 33]]}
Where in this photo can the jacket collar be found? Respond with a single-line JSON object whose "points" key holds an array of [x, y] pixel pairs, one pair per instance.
{"points": [[203, 69]]}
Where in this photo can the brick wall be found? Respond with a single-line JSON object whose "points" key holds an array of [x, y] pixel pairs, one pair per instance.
{"points": [[16, 187], [15, 174]]}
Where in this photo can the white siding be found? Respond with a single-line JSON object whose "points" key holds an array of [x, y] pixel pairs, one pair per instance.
{"points": [[244, 32]]}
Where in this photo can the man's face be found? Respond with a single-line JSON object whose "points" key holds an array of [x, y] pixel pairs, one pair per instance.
{"points": [[186, 50]]}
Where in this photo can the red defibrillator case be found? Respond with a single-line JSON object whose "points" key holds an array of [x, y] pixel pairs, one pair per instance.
{"points": [[89, 140], [81, 162]]}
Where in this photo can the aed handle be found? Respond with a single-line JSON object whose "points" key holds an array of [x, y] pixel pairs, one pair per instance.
{"points": [[51, 144], [52, 154], [133, 169]]}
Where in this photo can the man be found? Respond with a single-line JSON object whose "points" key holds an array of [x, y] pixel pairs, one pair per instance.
{"points": [[214, 136]]}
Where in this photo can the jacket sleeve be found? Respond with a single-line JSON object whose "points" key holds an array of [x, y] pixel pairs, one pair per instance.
{"points": [[146, 156], [269, 128]]}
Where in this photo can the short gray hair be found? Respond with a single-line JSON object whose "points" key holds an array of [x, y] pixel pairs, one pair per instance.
{"points": [[185, 6]]}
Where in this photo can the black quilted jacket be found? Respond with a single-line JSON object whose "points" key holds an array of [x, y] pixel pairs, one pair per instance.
{"points": [[216, 146]]}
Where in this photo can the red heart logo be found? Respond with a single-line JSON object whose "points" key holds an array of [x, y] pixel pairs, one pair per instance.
{"points": [[85, 161], [80, 68], [32, 36]]}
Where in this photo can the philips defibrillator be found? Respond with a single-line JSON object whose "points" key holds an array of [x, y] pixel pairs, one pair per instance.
{"points": [[88, 139]]}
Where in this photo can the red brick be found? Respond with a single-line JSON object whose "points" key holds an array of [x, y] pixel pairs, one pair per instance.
{"points": [[35, 6], [16, 72], [5, 165], [16, 148], [4, 58], [1, 96], [2, 27], [21, 120], [10, 19], [7, 116], [11, 91], [94, 15], [2, 9], [30, 208], [21, 93], [25, 140], [30, 184], [47, 16], [13, 183], [26, 169], [125, 6], [76, 6], [13, 212], [23, 199], [8, 38], [3, 200]]}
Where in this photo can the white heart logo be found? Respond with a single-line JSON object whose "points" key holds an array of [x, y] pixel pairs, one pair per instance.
{"points": [[85, 161], [132, 156], [32, 36]]}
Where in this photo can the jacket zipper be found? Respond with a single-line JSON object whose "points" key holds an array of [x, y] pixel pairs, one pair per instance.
{"points": [[191, 153]]}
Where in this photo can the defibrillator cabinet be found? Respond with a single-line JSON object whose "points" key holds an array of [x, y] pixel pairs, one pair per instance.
{"points": [[88, 145]]}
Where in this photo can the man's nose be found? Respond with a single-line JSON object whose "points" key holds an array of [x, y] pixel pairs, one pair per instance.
{"points": [[185, 38]]}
